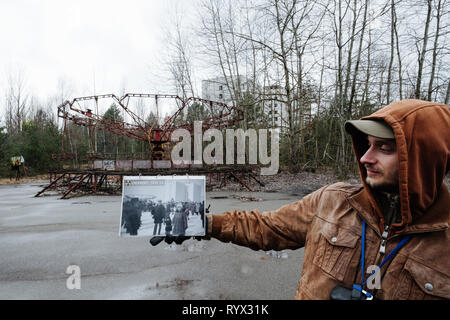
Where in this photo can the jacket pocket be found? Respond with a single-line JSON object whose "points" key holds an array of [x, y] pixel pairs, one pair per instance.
{"points": [[418, 282], [335, 250]]}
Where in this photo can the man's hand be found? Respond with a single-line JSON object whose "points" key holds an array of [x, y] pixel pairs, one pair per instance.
{"points": [[170, 239], [177, 239]]}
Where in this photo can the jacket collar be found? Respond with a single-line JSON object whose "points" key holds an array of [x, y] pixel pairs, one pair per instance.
{"points": [[436, 219], [360, 201]]}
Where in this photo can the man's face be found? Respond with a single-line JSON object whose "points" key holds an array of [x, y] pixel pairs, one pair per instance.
{"points": [[381, 163]]}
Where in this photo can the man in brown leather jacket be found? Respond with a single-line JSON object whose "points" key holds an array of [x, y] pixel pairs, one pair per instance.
{"points": [[403, 152]]}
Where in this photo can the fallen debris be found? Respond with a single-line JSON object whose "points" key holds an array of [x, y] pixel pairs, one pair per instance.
{"points": [[246, 198]]}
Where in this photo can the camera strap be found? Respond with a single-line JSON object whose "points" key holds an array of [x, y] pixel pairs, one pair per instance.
{"points": [[388, 257]]}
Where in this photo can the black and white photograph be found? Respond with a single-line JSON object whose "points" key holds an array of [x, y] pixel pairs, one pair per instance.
{"points": [[163, 205]]}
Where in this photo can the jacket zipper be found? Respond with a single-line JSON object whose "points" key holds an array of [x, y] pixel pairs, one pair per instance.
{"points": [[381, 253], [384, 237]]}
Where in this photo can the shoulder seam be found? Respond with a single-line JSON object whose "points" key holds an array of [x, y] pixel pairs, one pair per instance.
{"points": [[344, 187]]}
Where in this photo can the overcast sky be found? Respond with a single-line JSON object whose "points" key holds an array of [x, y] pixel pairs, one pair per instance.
{"points": [[92, 46]]}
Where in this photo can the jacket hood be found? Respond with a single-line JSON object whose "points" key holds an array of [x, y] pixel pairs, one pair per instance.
{"points": [[422, 134]]}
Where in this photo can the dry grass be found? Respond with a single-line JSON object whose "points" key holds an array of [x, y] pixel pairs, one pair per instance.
{"points": [[42, 177]]}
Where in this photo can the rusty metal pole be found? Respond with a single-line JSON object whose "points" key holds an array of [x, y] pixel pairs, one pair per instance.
{"points": [[76, 185], [51, 185]]}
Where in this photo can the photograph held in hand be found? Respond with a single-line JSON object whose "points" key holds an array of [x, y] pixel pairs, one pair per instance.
{"points": [[163, 206]]}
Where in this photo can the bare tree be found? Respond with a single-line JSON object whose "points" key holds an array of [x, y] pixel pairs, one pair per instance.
{"points": [[397, 47], [391, 55], [217, 28], [447, 95], [358, 58], [435, 50], [16, 101], [179, 55], [422, 52], [349, 57]]}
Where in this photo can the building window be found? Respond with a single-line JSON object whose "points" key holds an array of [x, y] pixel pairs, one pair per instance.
{"points": [[220, 96], [220, 88]]}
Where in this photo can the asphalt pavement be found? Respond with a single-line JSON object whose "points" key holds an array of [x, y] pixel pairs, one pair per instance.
{"points": [[71, 249]]}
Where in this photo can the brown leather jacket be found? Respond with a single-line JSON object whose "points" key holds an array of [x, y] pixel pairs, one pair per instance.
{"points": [[328, 222]]}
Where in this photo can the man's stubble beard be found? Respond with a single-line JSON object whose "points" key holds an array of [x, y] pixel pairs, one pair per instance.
{"points": [[389, 187]]}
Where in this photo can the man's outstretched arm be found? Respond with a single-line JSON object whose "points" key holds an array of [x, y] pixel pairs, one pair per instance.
{"points": [[284, 228]]}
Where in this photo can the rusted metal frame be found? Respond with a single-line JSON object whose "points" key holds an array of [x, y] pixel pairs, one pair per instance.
{"points": [[251, 175], [78, 175], [62, 109], [115, 127], [76, 185], [102, 179], [96, 117], [50, 185], [101, 120], [140, 122], [222, 173], [169, 123], [207, 101], [148, 95], [120, 129], [99, 96], [63, 135], [216, 120], [240, 181], [75, 178], [223, 182], [213, 121], [95, 183], [137, 118]]}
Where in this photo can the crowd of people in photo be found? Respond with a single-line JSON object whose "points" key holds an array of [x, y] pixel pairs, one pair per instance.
{"points": [[174, 216]]}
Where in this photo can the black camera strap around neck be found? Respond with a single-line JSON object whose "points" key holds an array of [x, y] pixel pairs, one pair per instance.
{"points": [[388, 257]]}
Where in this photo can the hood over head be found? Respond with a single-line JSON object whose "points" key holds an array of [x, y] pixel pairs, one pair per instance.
{"points": [[422, 133]]}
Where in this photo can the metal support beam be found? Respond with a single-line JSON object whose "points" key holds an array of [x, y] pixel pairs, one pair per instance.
{"points": [[50, 185], [240, 181], [260, 183], [76, 185]]}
